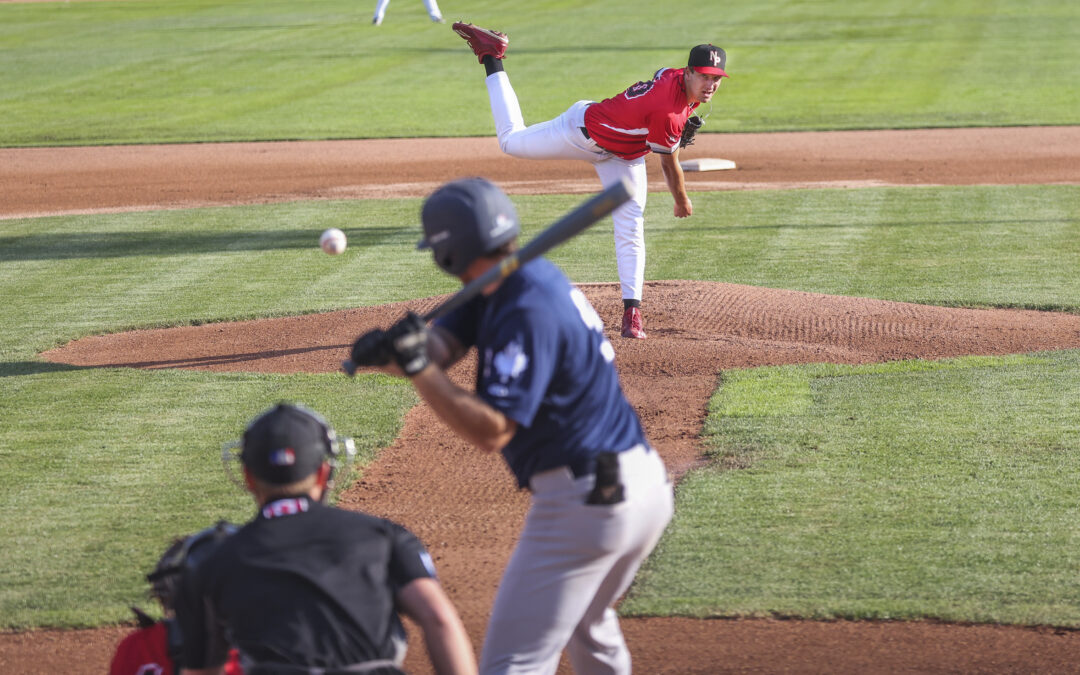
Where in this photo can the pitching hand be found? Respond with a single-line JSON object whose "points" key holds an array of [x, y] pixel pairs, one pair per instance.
{"points": [[408, 344], [683, 207]]}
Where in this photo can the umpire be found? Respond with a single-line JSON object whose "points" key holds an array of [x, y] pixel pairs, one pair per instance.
{"points": [[306, 588], [548, 398]]}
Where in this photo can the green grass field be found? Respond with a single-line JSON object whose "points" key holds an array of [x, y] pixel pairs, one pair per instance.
{"points": [[898, 491], [948, 493], [194, 70], [121, 439]]}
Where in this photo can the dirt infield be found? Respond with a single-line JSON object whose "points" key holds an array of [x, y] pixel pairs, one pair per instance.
{"points": [[695, 330]]}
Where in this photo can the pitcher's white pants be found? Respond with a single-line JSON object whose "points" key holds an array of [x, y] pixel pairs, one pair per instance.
{"points": [[561, 138], [572, 563], [431, 5]]}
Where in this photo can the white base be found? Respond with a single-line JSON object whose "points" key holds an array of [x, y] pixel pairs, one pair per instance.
{"points": [[707, 164]]}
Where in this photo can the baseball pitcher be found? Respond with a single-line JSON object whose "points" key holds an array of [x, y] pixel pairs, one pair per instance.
{"points": [[613, 135]]}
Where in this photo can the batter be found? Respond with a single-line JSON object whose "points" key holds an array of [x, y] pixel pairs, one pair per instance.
{"points": [[549, 399]]}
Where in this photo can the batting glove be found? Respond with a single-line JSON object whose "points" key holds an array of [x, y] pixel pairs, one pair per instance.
{"points": [[372, 349], [408, 343]]}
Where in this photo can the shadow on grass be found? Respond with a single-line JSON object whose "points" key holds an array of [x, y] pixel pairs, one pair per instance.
{"points": [[72, 245], [16, 368]]}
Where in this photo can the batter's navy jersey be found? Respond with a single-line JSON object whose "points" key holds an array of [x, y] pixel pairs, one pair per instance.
{"points": [[304, 584], [544, 362]]}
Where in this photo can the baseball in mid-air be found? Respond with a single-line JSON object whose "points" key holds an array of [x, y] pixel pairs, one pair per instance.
{"points": [[332, 241]]}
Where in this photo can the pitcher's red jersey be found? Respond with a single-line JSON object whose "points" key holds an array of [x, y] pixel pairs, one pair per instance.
{"points": [[647, 116]]}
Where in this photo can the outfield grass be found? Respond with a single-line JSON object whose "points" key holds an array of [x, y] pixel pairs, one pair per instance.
{"points": [[906, 490], [123, 439], [194, 70]]}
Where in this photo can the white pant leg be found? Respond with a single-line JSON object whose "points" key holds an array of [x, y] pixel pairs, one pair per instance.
{"points": [[629, 220], [558, 138], [561, 138], [433, 9], [380, 10], [572, 562]]}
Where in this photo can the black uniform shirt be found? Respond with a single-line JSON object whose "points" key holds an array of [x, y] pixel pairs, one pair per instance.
{"points": [[302, 583]]}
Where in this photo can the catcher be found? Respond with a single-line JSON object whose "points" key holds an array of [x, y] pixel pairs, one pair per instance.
{"points": [[308, 589], [614, 135], [154, 649]]}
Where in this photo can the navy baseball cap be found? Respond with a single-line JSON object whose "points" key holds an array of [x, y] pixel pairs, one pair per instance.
{"points": [[466, 219], [708, 59], [286, 444]]}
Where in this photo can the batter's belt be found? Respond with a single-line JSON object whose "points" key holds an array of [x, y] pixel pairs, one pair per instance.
{"points": [[563, 477]]}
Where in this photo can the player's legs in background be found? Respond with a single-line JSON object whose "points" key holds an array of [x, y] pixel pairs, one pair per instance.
{"points": [[380, 12], [553, 139], [629, 220], [433, 11]]}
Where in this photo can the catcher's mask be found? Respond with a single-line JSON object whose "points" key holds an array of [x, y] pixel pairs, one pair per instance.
{"points": [[466, 219], [285, 445], [184, 554]]}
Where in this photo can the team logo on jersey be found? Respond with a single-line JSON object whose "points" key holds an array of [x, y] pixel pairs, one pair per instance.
{"points": [[510, 362]]}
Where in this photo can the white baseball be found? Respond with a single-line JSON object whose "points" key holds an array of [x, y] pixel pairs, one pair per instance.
{"points": [[332, 241]]}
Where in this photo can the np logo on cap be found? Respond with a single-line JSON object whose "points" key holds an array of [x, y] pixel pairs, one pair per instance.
{"points": [[708, 59]]}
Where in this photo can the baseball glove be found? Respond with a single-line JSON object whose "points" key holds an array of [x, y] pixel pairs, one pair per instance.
{"points": [[693, 124]]}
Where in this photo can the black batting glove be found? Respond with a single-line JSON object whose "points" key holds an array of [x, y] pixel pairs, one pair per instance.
{"points": [[372, 349], [408, 344]]}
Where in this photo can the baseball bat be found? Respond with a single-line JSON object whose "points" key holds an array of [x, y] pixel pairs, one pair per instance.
{"points": [[565, 228]]}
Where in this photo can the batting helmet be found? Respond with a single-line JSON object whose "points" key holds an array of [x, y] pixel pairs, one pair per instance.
{"points": [[466, 219], [184, 554]]}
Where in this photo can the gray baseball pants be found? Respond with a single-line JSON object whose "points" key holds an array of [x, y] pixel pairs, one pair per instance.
{"points": [[572, 563]]}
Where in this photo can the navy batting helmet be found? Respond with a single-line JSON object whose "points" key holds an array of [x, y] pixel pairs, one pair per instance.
{"points": [[466, 219]]}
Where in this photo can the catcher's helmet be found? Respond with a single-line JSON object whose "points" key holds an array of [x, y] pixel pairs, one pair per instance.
{"points": [[286, 444], [184, 554], [465, 219]]}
